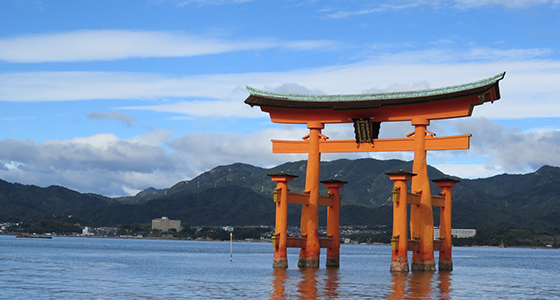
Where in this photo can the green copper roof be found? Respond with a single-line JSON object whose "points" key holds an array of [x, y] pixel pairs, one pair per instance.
{"points": [[266, 98]]}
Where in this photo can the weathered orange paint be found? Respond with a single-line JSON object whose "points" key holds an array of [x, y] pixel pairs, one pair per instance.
{"points": [[399, 240], [333, 223], [438, 201], [309, 256], [299, 242], [421, 216], [281, 228], [445, 259], [459, 142]]}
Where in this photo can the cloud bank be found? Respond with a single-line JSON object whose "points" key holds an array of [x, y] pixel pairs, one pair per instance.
{"points": [[112, 166], [372, 7], [98, 45]]}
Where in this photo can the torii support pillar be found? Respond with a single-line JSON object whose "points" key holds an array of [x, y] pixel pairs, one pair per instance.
{"points": [[399, 240], [309, 255], [421, 215], [333, 221], [280, 237], [445, 260]]}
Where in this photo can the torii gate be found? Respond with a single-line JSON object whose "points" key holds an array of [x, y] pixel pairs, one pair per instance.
{"points": [[367, 111]]}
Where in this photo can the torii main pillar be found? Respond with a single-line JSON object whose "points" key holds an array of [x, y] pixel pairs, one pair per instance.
{"points": [[421, 216], [309, 256], [367, 112]]}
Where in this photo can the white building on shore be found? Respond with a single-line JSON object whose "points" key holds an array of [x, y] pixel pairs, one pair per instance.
{"points": [[164, 224], [457, 233]]}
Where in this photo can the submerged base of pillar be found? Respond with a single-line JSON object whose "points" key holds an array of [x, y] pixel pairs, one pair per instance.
{"points": [[423, 267], [308, 263], [445, 266], [399, 266], [280, 264], [333, 262]]}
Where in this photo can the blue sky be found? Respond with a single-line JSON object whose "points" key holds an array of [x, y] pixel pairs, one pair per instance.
{"points": [[113, 97]]}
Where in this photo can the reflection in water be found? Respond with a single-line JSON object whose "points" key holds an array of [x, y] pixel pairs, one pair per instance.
{"points": [[420, 285], [279, 277], [444, 285], [311, 284], [307, 287], [331, 283], [398, 282]]}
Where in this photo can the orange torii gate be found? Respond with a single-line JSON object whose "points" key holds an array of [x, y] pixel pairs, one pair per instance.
{"points": [[367, 112]]}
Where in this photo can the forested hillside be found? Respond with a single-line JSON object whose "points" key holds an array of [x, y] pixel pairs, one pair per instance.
{"points": [[240, 194]]}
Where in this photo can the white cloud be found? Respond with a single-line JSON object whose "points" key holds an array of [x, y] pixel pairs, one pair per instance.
{"points": [[124, 119], [100, 163], [510, 148], [294, 88], [88, 45], [470, 171], [197, 108], [455, 56], [109, 165], [505, 3], [529, 89], [384, 6], [207, 150], [70, 86], [400, 87]]}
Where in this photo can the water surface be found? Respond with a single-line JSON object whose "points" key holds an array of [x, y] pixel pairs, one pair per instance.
{"points": [[103, 268]]}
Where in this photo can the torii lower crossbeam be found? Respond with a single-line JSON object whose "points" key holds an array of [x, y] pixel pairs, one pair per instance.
{"points": [[457, 142]]}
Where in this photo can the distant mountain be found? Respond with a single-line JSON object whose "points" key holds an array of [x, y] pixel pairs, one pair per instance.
{"points": [[20, 201], [143, 196], [367, 183], [225, 206], [216, 206], [240, 194], [521, 201]]}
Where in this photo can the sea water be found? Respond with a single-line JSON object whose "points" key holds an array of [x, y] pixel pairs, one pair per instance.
{"points": [[110, 268]]}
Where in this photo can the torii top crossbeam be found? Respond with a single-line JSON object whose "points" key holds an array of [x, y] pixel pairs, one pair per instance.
{"points": [[441, 103]]}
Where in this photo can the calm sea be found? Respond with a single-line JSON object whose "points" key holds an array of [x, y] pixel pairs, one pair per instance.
{"points": [[96, 268]]}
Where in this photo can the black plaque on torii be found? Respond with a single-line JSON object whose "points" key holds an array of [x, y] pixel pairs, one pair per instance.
{"points": [[366, 130]]}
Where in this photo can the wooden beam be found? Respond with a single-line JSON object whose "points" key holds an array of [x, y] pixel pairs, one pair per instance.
{"points": [[295, 242], [298, 198], [413, 198], [438, 201], [413, 245], [299, 242], [325, 242], [438, 245], [457, 142]]}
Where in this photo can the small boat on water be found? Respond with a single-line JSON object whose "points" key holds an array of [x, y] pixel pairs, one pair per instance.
{"points": [[28, 236]]}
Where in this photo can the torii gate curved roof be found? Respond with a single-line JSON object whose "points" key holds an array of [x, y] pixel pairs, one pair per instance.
{"points": [[440, 103]]}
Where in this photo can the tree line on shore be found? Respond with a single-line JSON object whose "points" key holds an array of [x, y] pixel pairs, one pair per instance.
{"points": [[486, 236]]}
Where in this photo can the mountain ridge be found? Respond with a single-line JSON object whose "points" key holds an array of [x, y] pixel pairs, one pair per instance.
{"points": [[529, 200]]}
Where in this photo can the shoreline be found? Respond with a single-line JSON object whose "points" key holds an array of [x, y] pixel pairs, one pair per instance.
{"points": [[252, 241]]}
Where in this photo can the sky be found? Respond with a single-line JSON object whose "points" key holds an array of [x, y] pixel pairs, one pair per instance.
{"points": [[113, 97]]}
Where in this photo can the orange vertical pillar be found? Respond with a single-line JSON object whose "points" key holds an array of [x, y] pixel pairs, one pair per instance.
{"points": [[280, 237], [399, 240], [333, 221], [309, 256], [445, 260], [421, 216]]}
